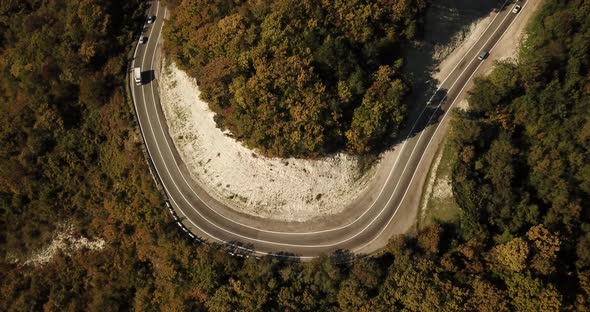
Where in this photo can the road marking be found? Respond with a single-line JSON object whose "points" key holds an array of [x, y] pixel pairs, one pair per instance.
{"points": [[316, 246], [156, 169], [384, 184], [438, 126], [273, 243]]}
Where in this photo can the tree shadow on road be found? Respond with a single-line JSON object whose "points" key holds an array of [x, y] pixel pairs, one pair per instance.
{"points": [[445, 23]]}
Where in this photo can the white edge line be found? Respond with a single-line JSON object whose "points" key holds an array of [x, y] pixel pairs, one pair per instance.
{"points": [[367, 226], [437, 128], [384, 184], [388, 201]]}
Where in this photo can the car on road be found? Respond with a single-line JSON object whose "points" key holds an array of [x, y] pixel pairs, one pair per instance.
{"points": [[516, 9], [483, 55], [151, 19], [137, 76], [142, 39]]}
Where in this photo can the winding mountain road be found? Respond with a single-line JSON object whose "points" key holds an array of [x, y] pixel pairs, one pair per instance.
{"points": [[364, 227]]}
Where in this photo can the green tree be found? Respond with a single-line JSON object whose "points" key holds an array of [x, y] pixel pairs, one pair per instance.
{"points": [[297, 78]]}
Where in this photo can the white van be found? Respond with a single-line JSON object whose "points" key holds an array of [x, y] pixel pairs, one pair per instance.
{"points": [[137, 75]]}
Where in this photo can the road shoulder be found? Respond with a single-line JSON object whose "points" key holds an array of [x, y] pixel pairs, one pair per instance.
{"points": [[437, 202]]}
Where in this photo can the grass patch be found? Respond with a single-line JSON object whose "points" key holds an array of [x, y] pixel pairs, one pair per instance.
{"points": [[437, 203]]}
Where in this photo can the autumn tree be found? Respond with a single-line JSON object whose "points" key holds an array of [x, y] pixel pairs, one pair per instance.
{"points": [[298, 78]]}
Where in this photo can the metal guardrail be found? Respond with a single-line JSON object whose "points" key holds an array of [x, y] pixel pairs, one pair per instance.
{"points": [[234, 249]]}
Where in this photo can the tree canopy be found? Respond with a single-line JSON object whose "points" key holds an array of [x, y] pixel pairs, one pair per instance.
{"points": [[298, 78], [69, 153], [526, 155]]}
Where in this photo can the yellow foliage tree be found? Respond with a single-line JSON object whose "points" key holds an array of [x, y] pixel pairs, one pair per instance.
{"points": [[512, 255]]}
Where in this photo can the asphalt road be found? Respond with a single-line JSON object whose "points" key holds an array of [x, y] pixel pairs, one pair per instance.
{"points": [[364, 228]]}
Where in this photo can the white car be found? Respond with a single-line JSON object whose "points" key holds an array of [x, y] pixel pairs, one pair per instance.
{"points": [[142, 39], [516, 9], [151, 19]]}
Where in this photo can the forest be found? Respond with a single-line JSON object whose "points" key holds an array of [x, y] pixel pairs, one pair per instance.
{"points": [[70, 152], [300, 78]]}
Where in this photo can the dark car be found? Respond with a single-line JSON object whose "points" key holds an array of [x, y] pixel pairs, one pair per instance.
{"points": [[483, 55]]}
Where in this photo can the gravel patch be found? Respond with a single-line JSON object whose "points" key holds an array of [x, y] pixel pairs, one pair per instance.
{"points": [[282, 189], [66, 241]]}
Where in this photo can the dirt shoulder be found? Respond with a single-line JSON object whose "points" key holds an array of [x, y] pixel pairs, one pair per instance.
{"points": [[509, 46]]}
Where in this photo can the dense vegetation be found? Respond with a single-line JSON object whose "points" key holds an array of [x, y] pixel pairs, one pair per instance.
{"points": [[298, 77], [522, 181], [525, 154], [63, 155]]}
